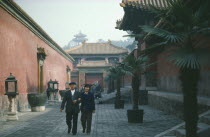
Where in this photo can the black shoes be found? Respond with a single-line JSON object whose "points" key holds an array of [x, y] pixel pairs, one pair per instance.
{"points": [[69, 130], [88, 132]]}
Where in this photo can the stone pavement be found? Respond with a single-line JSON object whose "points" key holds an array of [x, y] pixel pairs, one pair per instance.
{"points": [[107, 122]]}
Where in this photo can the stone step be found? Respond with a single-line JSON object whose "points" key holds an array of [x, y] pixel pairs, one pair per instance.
{"points": [[205, 119], [202, 126], [180, 132], [203, 129], [170, 132]]}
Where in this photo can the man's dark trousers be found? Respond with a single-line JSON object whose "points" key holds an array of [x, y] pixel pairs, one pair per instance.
{"points": [[72, 109], [69, 117]]}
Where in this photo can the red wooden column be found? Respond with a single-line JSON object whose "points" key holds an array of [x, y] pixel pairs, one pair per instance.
{"points": [[81, 78]]}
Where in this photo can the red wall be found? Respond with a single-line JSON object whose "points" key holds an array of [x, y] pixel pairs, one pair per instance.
{"points": [[168, 76], [164, 67], [75, 79], [90, 78], [18, 54]]}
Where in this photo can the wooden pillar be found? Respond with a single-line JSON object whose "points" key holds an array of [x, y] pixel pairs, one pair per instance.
{"points": [[81, 78], [120, 59], [68, 74], [104, 82], [107, 60], [41, 55]]}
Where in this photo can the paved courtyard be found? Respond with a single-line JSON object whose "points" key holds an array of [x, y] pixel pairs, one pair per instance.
{"points": [[107, 122]]}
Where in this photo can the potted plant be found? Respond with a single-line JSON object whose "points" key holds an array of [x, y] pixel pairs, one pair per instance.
{"points": [[37, 101], [135, 65], [116, 73], [179, 33]]}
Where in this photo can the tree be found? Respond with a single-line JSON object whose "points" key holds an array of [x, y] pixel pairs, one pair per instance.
{"points": [[179, 27], [116, 73], [136, 66], [110, 81]]}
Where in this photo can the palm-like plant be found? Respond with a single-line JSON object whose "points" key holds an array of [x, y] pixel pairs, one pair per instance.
{"points": [[179, 28], [136, 66], [116, 72], [110, 82]]}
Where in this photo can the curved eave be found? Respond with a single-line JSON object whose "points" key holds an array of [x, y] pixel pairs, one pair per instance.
{"points": [[98, 54], [136, 13], [79, 67], [145, 4], [133, 19]]}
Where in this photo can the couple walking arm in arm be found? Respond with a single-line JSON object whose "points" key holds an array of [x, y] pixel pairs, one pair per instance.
{"points": [[72, 99]]}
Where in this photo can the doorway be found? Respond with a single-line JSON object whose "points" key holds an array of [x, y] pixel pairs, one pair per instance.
{"points": [[90, 78]]}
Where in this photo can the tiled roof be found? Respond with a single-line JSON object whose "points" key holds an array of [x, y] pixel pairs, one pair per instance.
{"points": [[132, 20], [144, 4], [101, 63], [96, 48]]}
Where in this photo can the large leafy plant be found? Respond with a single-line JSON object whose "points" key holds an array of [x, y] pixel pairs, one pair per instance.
{"points": [[181, 27]]}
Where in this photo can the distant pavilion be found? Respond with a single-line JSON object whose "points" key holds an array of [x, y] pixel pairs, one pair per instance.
{"points": [[78, 38]]}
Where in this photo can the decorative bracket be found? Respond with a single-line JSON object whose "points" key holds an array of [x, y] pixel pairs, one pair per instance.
{"points": [[68, 68], [41, 53]]}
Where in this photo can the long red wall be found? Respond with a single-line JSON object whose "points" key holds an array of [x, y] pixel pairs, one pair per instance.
{"points": [[18, 54]]}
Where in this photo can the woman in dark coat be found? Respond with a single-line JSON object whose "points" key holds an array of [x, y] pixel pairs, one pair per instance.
{"points": [[87, 108]]}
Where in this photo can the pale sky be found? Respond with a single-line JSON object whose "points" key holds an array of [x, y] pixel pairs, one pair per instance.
{"points": [[61, 19]]}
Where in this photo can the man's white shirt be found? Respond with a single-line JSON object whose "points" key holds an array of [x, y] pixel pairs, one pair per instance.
{"points": [[72, 92]]}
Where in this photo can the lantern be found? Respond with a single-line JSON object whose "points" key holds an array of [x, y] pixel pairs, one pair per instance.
{"points": [[50, 84], [55, 85], [11, 86]]}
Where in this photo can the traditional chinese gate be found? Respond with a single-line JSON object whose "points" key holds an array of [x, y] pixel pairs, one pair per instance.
{"points": [[90, 78]]}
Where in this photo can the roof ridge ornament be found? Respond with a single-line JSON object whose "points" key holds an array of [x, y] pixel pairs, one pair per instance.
{"points": [[109, 42], [83, 42]]}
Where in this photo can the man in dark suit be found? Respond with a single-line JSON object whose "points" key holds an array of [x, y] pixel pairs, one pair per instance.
{"points": [[71, 99], [87, 108]]}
